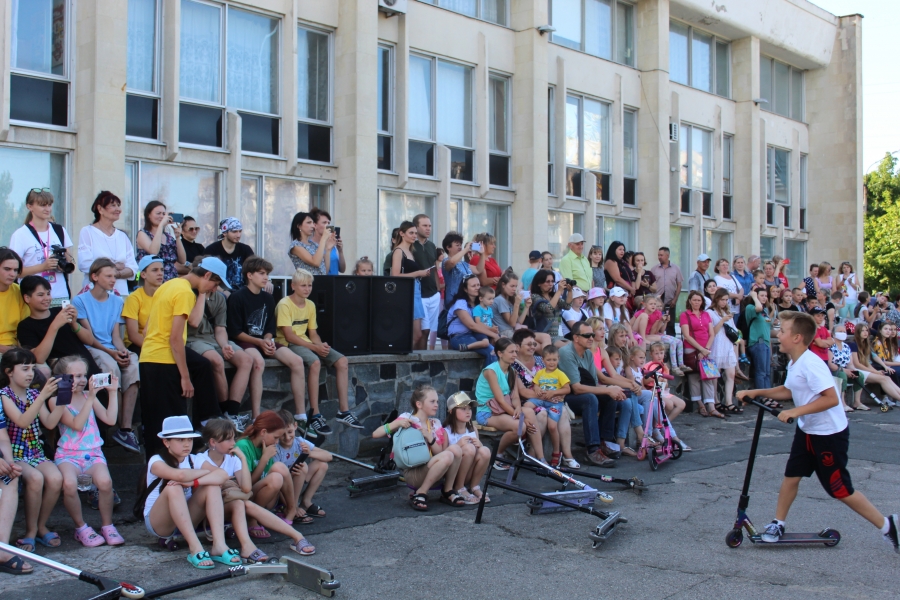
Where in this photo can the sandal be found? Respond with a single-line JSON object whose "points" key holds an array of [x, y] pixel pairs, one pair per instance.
{"points": [[16, 566], [26, 544], [303, 547], [48, 538], [701, 409], [257, 556], [468, 496], [861, 406], [476, 491], [259, 532], [314, 510], [227, 557], [280, 515], [717, 414], [304, 519], [626, 451], [731, 408], [418, 502], [773, 404], [196, 559], [452, 499]]}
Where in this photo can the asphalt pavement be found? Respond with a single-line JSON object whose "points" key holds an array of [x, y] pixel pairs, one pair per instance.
{"points": [[673, 545]]}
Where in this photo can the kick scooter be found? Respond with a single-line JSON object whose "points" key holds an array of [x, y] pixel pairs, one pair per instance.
{"points": [[669, 448], [829, 537]]}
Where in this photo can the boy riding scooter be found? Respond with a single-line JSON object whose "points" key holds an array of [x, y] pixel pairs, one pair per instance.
{"points": [[822, 436]]}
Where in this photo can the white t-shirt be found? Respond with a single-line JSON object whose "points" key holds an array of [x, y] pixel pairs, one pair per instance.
{"points": [[32, 254], [185, 464], [807, 378], [455, 437], [614, 316], [729, 283], [231, 464], [568, 315], [94, 244]]}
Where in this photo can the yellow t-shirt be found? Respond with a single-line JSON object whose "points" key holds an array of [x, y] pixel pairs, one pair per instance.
{"points": [[288, 314], [173, 298], [12, 310], [137, 307], [550, 381]]}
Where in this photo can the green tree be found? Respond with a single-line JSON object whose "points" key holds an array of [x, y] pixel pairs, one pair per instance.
{"points": [[881, 246]]}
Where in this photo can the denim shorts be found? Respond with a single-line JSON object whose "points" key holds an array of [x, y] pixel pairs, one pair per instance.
{"points": [[554, 409], [482, 416], [150, 529]]}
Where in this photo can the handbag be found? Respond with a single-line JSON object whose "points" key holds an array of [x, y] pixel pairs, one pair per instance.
{"points": [[410, 448], [708, 369], [231, 491], [732, 334], [443, 325]]}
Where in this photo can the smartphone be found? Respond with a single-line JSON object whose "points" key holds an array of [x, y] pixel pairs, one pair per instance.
{"points": [[526, 294], [430, 268], [64, 391], [300, 459], [337, 232], [101, 380], [177, 217], [476, 246], [64, 304], [787, 261]]}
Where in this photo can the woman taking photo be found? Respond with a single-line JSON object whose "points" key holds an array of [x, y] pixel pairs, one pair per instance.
{"points": [[162, 237], [725, 280], [617, 271], [404, 265], [455, 267], [102, 240], [35, 240], [722, 351], [643, 278], [699, 335], [510, 306], [305, 253], [547, 305], [490, 274], [595, 259], [465, 333]]}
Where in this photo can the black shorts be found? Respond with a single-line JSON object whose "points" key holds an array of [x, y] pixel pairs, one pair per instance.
{"points": [[824, 455]]}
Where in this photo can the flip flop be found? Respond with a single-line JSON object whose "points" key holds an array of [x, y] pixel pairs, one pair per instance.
{"points": [[259, 532], [313, 510], [861, 407], [47, 538], [227, 557], [196, 559], [26, 544], [257, 556], [302, 547], [16, 566]]}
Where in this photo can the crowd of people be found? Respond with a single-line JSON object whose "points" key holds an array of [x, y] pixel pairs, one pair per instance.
{"points": [[159, 318]]}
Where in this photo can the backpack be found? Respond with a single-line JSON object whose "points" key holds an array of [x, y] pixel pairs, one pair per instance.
{"points": [[744, 326], [138, 509], [443, 328], [410, 448]]}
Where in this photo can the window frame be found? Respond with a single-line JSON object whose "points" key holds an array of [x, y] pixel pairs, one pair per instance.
{"points": [[713, 60], [708, 235], [329, 123], [157, 79], [390, 84], [551, 140], [507, 116], [685, 135], [804, 193], [605, 144], [578, 219], [613, 32], [479, 11], [600, 237], [633, 176], [223, 44], [502, 253], [769, 105], [728, 176], [771, 203]]}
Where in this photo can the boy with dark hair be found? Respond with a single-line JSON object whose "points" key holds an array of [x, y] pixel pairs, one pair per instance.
{"points": [[822, 339], [822, 436], [251, 324]]}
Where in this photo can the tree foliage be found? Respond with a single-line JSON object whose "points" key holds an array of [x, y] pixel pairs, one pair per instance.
{"points": [[881, 226]]}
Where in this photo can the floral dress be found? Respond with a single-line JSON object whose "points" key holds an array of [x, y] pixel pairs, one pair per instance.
{"points": [[26, 441], [299, 263], [167, 251]]}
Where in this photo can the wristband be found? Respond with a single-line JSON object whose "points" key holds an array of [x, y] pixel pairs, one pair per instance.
{"points": [[196, 484], [387, 430]]}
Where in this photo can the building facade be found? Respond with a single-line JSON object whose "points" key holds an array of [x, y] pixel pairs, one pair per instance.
{"points": [[702, 127]]}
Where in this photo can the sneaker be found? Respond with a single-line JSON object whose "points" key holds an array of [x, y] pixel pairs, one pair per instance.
{"points": [[601, 460], [744, 360], [306, 431], [94, 498], [319, 425], [499, 466], [892, 537], [773, 532], [128, 440], [349, 419], [239, 421]]}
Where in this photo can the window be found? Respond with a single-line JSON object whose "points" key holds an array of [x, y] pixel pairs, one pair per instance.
{"points": [[717, 244], [560, 226], [604, 28], [385, 114], [142, 99], [551, 143], [498, 109], [695, 154], [314, 95], [393, 209], [622, 230], [247, 52], [766, 247], [39, 80], [21, 170], [795, 251], [803, 193], [587, 144], [184, 190], [495, 11], [699, 60], [629, 131], [267, 225], [782, 85], [681, 253], [778, 188], [727, 177], [484, 217], [440, 111]]}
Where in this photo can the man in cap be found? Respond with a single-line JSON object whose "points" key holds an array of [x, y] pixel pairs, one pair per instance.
{"points": [[575, 265], [231, 251], [534, 265], [700, 276]]}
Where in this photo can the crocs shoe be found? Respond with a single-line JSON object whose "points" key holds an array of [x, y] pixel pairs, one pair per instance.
{"points": [[88, 537], [111, 535]]}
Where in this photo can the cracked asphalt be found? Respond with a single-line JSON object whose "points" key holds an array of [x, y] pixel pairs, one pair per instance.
{"points": [[672, 547]]}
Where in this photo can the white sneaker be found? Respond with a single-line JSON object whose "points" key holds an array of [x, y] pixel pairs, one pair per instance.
{"points": [[773, 532], [571, 463]]}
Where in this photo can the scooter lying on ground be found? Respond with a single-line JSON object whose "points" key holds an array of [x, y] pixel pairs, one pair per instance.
{"points": [[829, 537], [387, 476]]}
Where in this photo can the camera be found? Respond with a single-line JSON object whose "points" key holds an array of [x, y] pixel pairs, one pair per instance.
{"points": [[62, 263], [571, 282]]}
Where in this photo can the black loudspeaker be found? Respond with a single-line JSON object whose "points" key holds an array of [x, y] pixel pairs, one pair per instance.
{"points": [[391, 314], [342, 312]]}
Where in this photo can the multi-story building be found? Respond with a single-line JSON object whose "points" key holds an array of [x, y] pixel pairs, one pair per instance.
{"points": [[722, 128]]}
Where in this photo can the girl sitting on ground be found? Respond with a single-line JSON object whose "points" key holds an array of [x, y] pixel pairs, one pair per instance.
{"points": [[290, 448], [78, 449], [180, 495], [650, 323], [476, 458], [223, 453], [270, 479], [23, 407], [445, 457]]}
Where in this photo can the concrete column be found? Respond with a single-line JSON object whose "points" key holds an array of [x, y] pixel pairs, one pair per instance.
{"points": [[441, 221], [529, 129], [171, 75], [233, 174], [559, 132], [482, 118], [655, 159], [590, 213], [99, 98], [5, 59], [617, 143], [401, 103], [289, 84], [749, 148], [355, 152]]}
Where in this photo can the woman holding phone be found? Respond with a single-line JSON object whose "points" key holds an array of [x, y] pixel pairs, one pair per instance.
{"points": [[161, 237], [404, 265]]}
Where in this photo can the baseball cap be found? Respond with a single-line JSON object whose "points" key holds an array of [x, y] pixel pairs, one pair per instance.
{"points": [[577, 292], [534, 255], [576, 238], [458, 399], [217, 268], [618, 292], [147, 261], [816, 311], [596, 293], [703, 257]]}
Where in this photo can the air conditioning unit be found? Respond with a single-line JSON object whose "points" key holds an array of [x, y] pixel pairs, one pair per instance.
{"points": [[392, 7], [673, 132]]}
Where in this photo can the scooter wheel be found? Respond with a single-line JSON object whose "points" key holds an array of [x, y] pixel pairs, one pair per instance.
{"points": [[834, 537], [651, 458], [131, 591], [676, 450], [734, 538], [884, 408]]}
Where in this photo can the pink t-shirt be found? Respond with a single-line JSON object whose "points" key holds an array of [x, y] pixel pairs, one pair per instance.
{"points": [[699, 326], [652, 318]]}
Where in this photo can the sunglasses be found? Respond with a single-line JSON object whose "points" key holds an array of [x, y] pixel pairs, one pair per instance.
{"points": [[192, 229], [586, 336], [40, 190]]}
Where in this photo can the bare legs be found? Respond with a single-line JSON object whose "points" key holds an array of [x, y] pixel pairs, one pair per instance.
{"points": [[42, 487]]}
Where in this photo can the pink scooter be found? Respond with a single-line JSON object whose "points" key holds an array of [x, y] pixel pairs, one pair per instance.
{"points": [[669, 448]]}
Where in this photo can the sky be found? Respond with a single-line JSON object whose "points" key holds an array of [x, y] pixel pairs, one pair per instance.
{"points": [[881, 78]]}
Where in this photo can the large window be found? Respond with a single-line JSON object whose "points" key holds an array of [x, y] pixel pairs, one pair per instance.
{"points": [[313, 95], [393, 209], [782, 85], [246, 51], [495, 11], [20, 171], [440, 110], [498, 110], [795, 251], [804, 225], [778, 188], [559, 227], [766, 247], [604, 28], [718, 244], [630, 161], [728, 177], [699, 60], [695, 154], [267, 224], [587, 145], [610, 230], [184, 190], [385, 114], [142, 99], [39, 82], [680, 251], [470, 218]]}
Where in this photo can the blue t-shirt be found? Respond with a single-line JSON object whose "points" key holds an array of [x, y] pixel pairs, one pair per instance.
{"points": [[102, 316], [486, 315], [333, 266], [528, 277]]}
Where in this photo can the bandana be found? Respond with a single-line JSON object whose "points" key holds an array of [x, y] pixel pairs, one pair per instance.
{"points": [[229, 224]]}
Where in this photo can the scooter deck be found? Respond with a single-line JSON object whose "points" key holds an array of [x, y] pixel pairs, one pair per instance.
{"points": [[829, 537], [373, 483], [579, 497], [606, 528]]}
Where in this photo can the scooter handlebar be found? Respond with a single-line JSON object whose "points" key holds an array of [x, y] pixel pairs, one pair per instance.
{"points": [[775, 412]]}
